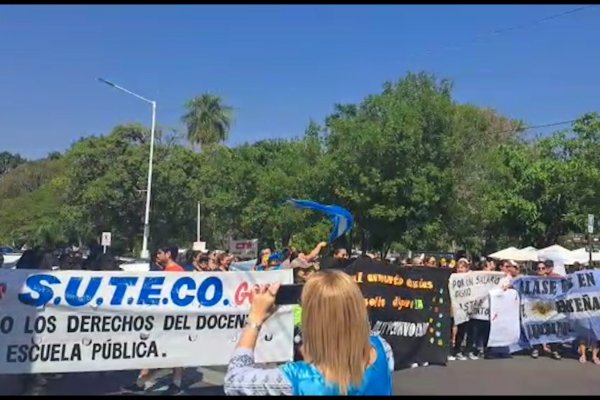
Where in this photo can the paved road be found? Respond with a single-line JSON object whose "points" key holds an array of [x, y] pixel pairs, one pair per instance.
{"points": [[518, 376]]}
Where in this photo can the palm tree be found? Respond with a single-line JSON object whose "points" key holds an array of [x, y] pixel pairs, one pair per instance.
{"points": [[207, 119]]}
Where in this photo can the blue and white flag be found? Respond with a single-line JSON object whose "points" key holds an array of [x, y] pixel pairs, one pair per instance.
{"points": [[542, 323], [341, 218]]}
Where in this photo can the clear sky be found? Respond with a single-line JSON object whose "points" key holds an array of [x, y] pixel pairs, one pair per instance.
{"points": [[279, 66]]}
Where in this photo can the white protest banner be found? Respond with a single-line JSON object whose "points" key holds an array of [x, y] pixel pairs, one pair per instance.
{"points": [[75, 321], [469, 294], [505, 326], [244, 248]]}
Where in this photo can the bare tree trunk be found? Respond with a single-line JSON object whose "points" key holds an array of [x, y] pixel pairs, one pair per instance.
{"points": [[363, 242], [385, 249], [286, 239]]}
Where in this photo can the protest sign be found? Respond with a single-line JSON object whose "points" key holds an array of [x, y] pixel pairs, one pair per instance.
{"points": [[75, 321], [541, 321], [560, 309], [582, 304], [505, 328], [469, 294], [409, 307], [244, 248]]}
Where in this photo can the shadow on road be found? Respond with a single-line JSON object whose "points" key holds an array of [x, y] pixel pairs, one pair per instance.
{"points": [[519, 375], [112, 383]]}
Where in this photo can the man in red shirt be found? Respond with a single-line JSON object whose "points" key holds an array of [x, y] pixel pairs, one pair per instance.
{"points": [[165, 259]]}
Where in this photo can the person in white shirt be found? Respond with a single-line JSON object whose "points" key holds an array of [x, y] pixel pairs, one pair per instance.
{"points": [[512, 271]]}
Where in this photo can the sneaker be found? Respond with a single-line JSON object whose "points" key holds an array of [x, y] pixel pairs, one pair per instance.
{"points": [[451, 358], [460, 356], [172, 390], [134, 388], [535, 354], [472, 356], [414, 365], [425, 364], [555, 355]]}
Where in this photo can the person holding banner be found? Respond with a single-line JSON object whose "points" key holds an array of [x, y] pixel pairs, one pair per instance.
{"points": [[466, 330], [583, 350], [341, 356], [544, 269], [310, 257], [165, 259], [512, 271]]}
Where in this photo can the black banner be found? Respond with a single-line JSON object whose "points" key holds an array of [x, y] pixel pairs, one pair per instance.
{"points": [[409, 307]]}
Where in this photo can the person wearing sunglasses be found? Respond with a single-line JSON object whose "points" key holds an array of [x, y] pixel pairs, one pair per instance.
{"points": [[544, 270], [549, 265]]}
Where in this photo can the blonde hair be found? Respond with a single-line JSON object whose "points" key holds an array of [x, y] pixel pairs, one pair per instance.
{"points": [[335, 328]]}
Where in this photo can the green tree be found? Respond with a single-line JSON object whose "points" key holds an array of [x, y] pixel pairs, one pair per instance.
{"points": [[388, 161], [106, 183], [207, 120], [418, 170], [473, 147], [9, 161], [542, 190]]}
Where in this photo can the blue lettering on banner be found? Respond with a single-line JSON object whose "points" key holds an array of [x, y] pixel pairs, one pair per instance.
{"points": [[149, 290], [36, 284], [88, 294], [560, 309], [217, 284], [121, 284], [39, 290], [175, 292]]}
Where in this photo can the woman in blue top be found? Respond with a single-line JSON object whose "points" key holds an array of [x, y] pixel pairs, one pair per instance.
{"points": [[341, 356]]}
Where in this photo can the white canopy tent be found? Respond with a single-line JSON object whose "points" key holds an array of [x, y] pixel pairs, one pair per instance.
{"points": [[512, 253], [527, 254], [529, 248], [583, 256], [558, 252], [506, 254], [560, 256]]}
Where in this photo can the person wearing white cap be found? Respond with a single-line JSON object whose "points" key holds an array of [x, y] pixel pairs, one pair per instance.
{"points": [[512, 271]]}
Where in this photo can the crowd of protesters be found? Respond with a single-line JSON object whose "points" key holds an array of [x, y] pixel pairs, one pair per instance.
{"points": [[469, 339]]}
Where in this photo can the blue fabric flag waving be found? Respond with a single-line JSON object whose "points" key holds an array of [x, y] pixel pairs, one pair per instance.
{"points": [[341, 218]]}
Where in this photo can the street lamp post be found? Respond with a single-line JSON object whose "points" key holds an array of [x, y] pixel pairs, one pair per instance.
{"points": [[145, 253]]}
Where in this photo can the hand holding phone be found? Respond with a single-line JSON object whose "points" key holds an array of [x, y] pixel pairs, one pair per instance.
{"points": [[288, 294]]}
